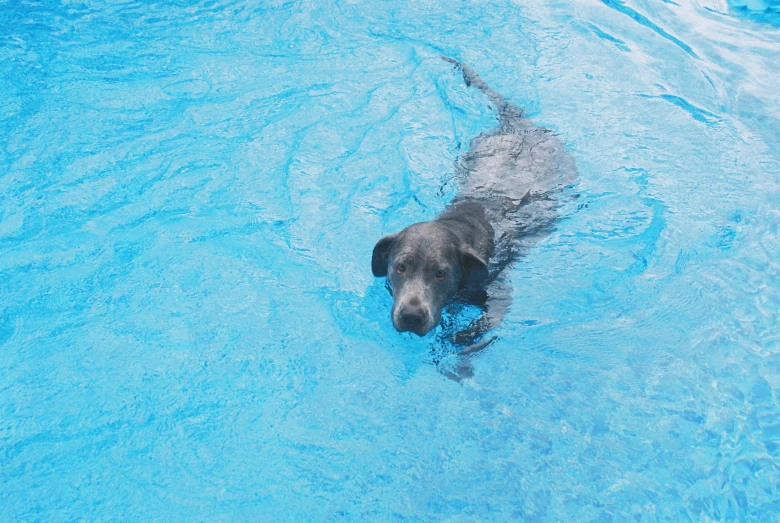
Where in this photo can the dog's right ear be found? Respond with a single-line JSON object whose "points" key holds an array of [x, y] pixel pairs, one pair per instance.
{"points": [[381, 254]]}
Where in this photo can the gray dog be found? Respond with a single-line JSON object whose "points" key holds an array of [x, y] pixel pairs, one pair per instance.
{"points": [[510, 183]]}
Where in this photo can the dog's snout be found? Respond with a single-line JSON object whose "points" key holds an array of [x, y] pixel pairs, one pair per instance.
{"points": [[412, 317]]}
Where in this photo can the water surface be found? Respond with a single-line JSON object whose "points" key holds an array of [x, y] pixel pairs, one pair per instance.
{"points": [[189, 329]]}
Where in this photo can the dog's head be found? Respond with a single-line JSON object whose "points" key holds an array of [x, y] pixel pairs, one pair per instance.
{"points": [[426, 264]]}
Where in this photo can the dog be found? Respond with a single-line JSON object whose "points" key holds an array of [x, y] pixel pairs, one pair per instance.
{"points": [[510, 185]]}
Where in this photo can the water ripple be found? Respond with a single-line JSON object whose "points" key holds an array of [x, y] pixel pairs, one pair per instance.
{"points": [[620, 6]]}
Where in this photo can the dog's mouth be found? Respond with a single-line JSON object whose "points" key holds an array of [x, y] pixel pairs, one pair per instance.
{"points": [[420, 331]]}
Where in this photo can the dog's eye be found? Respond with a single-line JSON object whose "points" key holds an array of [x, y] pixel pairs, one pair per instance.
{"points": [[400, 268], [440, 274]]}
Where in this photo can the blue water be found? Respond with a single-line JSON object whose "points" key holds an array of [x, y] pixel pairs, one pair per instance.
{"points": [[189, 329]]}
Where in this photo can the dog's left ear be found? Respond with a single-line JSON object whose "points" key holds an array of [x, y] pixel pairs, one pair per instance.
{"points": [[475, 267], [381, 255]]}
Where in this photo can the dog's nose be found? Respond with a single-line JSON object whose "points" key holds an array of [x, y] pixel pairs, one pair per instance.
{"points": [[412, 317]]}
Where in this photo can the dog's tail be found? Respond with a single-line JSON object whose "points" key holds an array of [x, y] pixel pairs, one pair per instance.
{"points": [[506, 110]]}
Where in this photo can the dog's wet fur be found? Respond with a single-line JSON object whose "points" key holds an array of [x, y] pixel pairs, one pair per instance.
{"points": [[510, 185]]}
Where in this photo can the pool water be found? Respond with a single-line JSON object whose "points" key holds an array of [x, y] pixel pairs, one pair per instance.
{"points": [[189, 329]]}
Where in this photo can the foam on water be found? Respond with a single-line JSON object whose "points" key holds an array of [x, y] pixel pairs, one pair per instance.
{"points": [[189, 329]]}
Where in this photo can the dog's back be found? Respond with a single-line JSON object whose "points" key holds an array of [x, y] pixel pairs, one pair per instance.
{"points": [[517, 171]]}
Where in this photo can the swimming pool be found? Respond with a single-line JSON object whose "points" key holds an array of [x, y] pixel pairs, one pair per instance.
{"points": [[189, 328]]}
